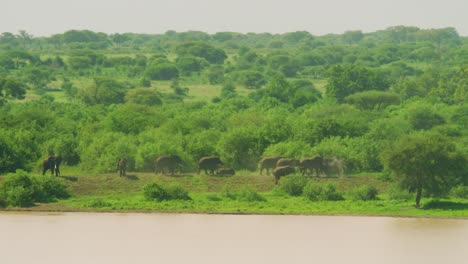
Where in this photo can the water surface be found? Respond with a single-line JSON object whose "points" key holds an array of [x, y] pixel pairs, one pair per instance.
{"points": [[88, 238]]}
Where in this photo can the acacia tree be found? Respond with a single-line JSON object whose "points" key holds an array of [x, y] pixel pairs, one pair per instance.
{"points": [[425, 161]]}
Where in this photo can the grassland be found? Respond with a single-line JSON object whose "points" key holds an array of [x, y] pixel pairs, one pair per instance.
{"points": [[111, 193]]}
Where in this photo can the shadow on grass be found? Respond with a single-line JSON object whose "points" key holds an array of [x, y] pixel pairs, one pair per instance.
{"points": [[445, 205], [131, 177], [69, 178]]}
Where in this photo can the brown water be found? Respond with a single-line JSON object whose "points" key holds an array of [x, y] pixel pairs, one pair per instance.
{"points": [[88, 238]]}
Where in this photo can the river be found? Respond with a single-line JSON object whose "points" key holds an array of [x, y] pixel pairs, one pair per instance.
{"points": [[115, 238]]}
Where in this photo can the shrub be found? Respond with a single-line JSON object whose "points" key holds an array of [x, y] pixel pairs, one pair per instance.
{"points": [[22, 189], [19, 196], [293, 185], [228, 192], [154, 191], [248, 194], [364, 193], [49, 188], [174, 191], [459, 191], [316, 192]]}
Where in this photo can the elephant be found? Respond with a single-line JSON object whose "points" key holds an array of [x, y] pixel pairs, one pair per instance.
{"points": [[311, 164], [268, 163], [333, 165], [122, 166], [209, 164], [279, 172], [171, 163], [287, 162], [225, 172], [51, 163]]}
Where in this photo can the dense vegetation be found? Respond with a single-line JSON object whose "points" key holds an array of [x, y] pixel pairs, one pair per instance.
{"points": [[373, 99]]}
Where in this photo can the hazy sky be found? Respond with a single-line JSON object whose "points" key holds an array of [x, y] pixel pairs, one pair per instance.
{"points": [[47, 17]]}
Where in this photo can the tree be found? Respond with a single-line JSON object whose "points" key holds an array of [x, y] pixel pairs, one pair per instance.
{"points": [[25, 37], [10, 87], [345, 80], [252, 79], [203, 50], [103, 91], [425, 162], [376, 100], [38, 77], [163, 71]]}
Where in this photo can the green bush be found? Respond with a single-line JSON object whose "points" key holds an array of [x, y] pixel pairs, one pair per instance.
{"points": [[228, 192], [22, 189], [459, 191], [364, 193], [154, 191], [249, 194], [317, 192], [174, 191], [49, 188], [293, 185], [20, 196]]}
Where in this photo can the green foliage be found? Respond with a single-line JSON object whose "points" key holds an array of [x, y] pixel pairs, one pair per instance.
{"points": [[322, 192], [244, 194], [370, 100], [364, 193], [203, 50], [395, 193], [249, 194], [21, 189], [162, 71], [144, 96], [174, 191], [103, 91], [12, 88], [425, 161], [252, 79], [293, 184], [424, 118], [345, 80], [459, 191]]}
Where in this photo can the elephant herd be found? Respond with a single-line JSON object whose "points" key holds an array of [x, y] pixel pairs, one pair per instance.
{"points": [[173, 163], [307, 166], [280, 166]]}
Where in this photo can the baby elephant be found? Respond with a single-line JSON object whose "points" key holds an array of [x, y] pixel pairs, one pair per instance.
{"points": [[225, 172], [282, 171]]}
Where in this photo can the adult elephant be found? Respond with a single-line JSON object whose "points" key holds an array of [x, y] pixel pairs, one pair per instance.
{"points": [[169, 163], [51, 163], [122, 167], [209, 164], [268, 163], [310, 164], [333, 165], [279, 172]]}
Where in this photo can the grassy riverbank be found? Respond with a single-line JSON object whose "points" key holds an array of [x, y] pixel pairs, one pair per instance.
{"points": [[109, 192]]}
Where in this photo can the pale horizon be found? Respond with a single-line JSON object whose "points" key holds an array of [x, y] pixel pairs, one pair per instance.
{"points": [[319, 17]]}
